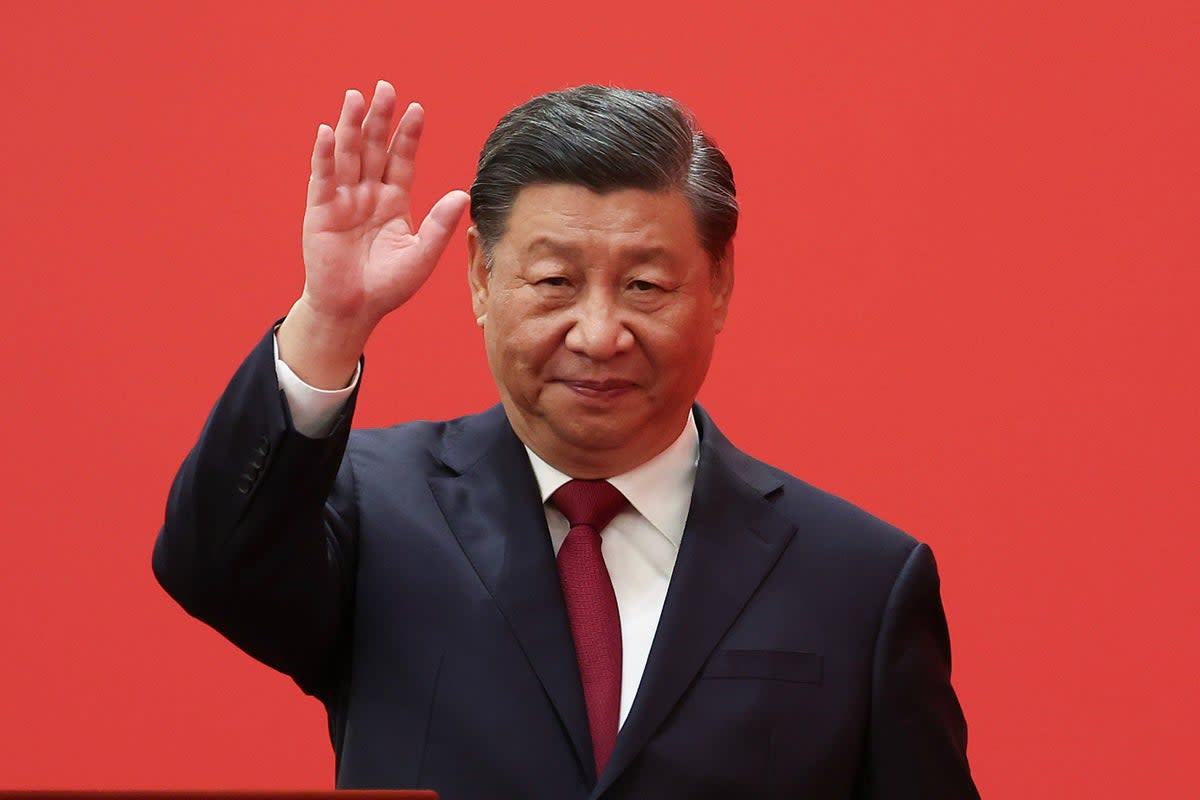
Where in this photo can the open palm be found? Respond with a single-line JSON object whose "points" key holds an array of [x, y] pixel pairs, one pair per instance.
{"points": [[363, 257]]}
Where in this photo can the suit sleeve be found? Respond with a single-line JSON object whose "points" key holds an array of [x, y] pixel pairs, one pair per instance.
{"points": [[259, 535], [917, 748]]}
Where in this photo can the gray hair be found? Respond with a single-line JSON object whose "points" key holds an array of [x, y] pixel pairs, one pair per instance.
{"points": [[605, 139]]}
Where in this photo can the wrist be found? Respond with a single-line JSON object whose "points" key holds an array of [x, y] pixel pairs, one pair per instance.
{"points": [[322, 351]]}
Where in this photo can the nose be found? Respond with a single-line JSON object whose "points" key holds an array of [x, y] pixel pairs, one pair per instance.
{"points": [[598, 330]]}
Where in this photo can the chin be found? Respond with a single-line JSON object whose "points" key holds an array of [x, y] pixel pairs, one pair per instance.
{"points": [[597, 437]]}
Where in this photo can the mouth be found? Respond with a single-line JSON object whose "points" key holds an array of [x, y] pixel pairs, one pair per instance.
{"points": [[599, 390]]}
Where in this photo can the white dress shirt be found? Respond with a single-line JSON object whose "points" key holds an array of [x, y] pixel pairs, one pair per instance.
{"points": [[639, 546]]}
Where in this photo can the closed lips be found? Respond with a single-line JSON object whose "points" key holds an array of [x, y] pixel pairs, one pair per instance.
{"points": [[599, 386]]}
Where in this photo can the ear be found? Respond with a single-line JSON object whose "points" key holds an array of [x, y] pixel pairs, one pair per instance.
{"points": [[478, 273], [722, 285]]}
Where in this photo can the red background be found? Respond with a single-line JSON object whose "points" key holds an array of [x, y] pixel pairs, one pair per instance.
{"points": [[968, 273]]}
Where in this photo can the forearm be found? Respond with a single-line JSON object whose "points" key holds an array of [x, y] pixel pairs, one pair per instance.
{"points": [[249, 543]]}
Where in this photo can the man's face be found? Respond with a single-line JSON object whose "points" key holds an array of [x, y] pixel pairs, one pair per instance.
{"points": [[601, 315]]}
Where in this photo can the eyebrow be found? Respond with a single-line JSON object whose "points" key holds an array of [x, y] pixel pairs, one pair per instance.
{"points": [[572, 252], [554, 246]]}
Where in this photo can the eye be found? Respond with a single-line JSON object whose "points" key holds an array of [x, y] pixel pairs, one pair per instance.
{"points": [[555, 280], [642, 286]]}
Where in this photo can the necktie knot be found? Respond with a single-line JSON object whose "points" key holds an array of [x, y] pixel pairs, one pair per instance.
{"points": [[590, 503]]}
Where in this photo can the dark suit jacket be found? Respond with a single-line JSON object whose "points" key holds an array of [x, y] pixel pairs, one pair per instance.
{"points": [[406, 578]]}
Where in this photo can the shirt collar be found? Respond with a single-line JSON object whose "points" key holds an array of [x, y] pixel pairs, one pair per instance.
{"points": [[660, 489]]}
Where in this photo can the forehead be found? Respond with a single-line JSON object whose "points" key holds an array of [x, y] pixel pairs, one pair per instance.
{"points": [[566, 216]]}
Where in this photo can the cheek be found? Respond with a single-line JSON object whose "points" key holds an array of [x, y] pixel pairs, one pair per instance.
{"points": [[526, 347], [678, 346]]}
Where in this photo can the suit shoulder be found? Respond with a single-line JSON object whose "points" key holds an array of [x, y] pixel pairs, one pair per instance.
{"points": [[837, 522], [844, 513], [423, 441], [405, 438], [418, 434]]}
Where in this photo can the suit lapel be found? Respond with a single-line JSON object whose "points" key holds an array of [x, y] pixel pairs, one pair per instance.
{"points": [[492, 504], [731, 542]]}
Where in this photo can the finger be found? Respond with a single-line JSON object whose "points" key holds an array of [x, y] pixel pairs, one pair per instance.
{"points": [[348, 138], [375, 130], [439, 224], [322, 184], [402, 154]]}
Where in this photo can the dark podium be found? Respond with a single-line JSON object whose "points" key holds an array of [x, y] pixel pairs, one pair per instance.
{"points": [[219, 794]]}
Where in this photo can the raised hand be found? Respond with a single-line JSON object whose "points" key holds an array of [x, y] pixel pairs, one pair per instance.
{"points": [[363, 257]]}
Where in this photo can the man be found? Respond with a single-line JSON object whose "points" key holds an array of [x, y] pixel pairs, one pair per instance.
{"points": [[586, 591]]}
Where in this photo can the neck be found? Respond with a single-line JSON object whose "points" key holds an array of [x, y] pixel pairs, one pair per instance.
{"points": [[599, 463]]}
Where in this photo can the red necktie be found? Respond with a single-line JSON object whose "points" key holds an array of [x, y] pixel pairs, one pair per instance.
{"points": [[592, 605]]}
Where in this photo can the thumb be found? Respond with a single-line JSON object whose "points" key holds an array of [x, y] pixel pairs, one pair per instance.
{"points": [[439, 224]]}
